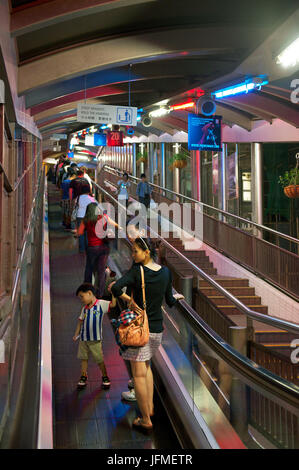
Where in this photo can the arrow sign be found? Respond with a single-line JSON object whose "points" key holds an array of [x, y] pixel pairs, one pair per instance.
{"points": [[105, 114]]}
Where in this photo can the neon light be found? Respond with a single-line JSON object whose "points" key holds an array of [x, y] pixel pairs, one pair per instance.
{"points": [[159, 112], [190, 104], [244, 87], [290, 56]]}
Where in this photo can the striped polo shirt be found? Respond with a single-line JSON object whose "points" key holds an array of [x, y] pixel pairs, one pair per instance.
{"points": [[92, 320]]}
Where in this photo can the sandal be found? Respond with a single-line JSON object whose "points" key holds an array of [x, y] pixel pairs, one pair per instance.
{"points": [[139, 424]]}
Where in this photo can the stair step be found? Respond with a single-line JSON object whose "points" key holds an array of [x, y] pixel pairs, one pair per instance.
{"points": [[180, 262], [226, 282], [233, 310], [245, 299], [270, 337], [236, 291], [282, 348], [197, 259]]}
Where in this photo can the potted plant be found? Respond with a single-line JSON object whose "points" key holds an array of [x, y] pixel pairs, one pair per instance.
{"points": [[179, 160], [141, 157], [290, 182]]}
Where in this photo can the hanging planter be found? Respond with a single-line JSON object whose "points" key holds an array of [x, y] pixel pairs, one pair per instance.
{"points": [[179, 160], [290, 182], [141, 157], [291, 191]]}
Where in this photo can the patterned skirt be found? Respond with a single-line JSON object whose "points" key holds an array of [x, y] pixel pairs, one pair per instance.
{"points": [[146, 352]]}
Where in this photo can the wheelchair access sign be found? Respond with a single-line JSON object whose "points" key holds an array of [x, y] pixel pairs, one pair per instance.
{"points": [[106, 114]]}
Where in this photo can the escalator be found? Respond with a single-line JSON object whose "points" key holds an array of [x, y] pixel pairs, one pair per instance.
{"points": [[208, 395]]}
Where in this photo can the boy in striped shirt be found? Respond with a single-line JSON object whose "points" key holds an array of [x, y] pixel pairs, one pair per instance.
{"points": [[90, 325]]}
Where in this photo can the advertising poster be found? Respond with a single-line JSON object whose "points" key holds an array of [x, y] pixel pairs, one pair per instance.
{"points": [[231, 176], [204, 133]]}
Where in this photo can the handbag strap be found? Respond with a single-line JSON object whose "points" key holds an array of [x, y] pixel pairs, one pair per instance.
{"points": [[143, 288]]}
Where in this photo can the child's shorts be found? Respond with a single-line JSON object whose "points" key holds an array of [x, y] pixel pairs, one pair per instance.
{"points": [[93, 347]]}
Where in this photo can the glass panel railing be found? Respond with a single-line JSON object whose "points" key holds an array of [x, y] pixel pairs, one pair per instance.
{"points": [[242, 404], [14, 336], [239, 409]]}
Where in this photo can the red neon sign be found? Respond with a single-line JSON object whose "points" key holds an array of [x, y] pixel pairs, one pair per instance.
{"points": [[115, 139]]}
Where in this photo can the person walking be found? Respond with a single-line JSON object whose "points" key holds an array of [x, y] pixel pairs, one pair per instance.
{"points": [[122, 191], [158, 285], [83, 201], [97, 251], [66, 203], [144, 191]]}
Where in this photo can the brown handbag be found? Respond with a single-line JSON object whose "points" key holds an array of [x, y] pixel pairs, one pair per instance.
{"points": [[136, 333]]}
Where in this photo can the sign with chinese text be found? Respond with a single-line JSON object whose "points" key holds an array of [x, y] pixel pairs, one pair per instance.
{"points": [[106, 114]]}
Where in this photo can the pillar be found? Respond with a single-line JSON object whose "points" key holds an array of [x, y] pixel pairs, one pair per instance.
{"points": [[257, 184]]}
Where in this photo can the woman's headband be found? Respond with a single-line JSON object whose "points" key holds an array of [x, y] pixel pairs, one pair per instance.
{"points": [[145, 244]]}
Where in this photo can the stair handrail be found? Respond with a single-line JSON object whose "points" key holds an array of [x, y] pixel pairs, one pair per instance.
{"points": [[220, 211], [273, 321]]}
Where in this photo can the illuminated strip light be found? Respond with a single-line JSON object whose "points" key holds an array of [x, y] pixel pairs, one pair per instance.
{"points": [[190, 104], [242, 88], [290, 56], [159, 112]]}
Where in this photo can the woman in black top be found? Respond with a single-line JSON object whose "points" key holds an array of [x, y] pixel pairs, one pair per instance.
{"points": [[158, 284]]}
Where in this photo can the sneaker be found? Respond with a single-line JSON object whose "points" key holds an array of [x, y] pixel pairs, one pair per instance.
{"points": [[106, 382], [131, 384], [129, 396], [82, 382]]}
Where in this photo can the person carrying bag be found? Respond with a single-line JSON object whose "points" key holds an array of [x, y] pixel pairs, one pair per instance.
{"points": [[132, 328], [155, 286]]}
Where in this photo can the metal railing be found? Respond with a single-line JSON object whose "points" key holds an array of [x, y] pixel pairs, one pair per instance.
{"points": [[255, 398], [276, 322], [202, 204]]}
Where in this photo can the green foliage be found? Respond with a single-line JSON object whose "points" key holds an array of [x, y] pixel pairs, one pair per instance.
{"points": [[179, 156], [289, 177], [143, 155]]}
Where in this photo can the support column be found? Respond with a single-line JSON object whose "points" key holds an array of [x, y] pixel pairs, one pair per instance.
{"points": [[257, 184], [176, 173], [134, 159], [163, 170], [223, 177]]}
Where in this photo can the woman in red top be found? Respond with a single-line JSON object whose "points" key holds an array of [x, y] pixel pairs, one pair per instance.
{"points": [[98, 249]]}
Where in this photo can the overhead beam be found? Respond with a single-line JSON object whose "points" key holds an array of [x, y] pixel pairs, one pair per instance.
{"points": [[96, 92], [151, 46], [40, 16], [262, 103]]}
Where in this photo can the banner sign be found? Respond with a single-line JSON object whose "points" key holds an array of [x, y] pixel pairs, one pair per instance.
{"points": [[204, 133], [215, 173], [115, 139], [232, 180], [106, 114]]}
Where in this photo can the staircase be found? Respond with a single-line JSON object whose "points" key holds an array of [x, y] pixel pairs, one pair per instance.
{"points": [[270, 337]]}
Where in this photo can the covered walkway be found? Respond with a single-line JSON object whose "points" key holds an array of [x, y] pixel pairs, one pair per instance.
{"points": [[92, 418]]}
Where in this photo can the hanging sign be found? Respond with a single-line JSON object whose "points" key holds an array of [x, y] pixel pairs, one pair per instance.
{"points": [[215, 173], [106, 114], [232, 177]]}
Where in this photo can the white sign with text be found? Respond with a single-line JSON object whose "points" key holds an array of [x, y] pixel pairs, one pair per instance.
{"points": [[106, 114]]}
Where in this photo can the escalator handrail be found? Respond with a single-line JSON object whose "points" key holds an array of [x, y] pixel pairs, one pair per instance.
{"points": [[220, 211], [273, 321], [282, 389]]}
